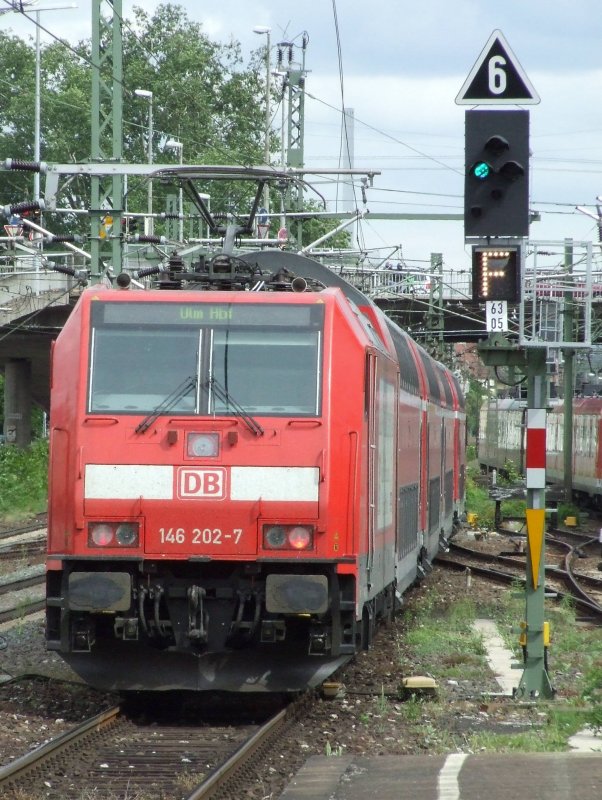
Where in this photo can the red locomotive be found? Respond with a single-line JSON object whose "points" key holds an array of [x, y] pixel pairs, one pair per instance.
{"points": [[244, 475]]}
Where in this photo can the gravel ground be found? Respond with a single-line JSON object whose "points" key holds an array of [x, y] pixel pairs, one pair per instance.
{"points": [[367, 716]]}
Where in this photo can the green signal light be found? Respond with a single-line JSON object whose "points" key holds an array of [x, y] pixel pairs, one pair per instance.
{"points": [[481, 170]]}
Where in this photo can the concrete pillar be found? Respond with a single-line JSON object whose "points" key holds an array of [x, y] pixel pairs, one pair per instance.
{"points": [[17, 402]]}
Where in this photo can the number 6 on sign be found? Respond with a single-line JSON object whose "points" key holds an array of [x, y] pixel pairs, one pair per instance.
{"points": [[497, 315]]}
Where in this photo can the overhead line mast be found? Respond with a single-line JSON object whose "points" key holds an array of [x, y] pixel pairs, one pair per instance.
{"points": [[107, 137]]}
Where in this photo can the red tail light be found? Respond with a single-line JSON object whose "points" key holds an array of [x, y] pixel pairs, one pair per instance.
{"points": [[113, 534], [288, 537], [300, 538]]}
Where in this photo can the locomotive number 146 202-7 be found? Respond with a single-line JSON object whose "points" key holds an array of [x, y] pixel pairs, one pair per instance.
{"points": [[196, 536]]}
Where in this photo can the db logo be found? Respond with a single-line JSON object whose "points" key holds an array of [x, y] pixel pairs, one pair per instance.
{"points": [[202, 483]]}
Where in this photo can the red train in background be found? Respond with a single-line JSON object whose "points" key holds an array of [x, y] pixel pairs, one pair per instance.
{"points": [[502, 439], [245, 473]]}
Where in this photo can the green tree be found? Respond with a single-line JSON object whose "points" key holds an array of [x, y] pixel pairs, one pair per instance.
{"points": [[17, 65], [315, 227], [203, 94]]}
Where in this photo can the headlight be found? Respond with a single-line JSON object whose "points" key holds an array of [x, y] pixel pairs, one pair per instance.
{"points": [[127, 534], [100, 534], [113, 534], [202, 445], [275, 537], [288, 537]]}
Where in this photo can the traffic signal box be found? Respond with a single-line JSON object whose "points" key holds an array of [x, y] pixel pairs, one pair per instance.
{"points": [[496, 188], [496, 274]]}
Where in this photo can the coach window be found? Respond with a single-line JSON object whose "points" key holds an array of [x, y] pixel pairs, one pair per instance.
{"points": [[205, 358], [134, 369], [591, 421], [267, 371]]}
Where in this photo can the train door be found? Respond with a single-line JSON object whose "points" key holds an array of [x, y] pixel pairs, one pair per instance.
{"points": [[443, 472], [436, 446], [370, 410], [425, 468]]}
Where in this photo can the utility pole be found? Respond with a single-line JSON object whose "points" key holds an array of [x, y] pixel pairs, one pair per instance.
{"points": [[263, 30], [349, 162], [534, 631], [107, 138], [295, 86], [434, 316], [535, 634], [149, 226], [496, 222], [569, 379]]}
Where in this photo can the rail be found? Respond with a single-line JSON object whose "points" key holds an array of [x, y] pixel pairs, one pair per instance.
{"points": [[31, 761], [460, 557], [227, 772], [114, 732]]}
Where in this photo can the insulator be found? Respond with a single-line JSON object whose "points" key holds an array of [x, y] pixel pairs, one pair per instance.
{"points": [[123, 280], [21, 208], [149, 239], [65, 270], [25, 166], [144, 273], [60, 237], [166, 215]]}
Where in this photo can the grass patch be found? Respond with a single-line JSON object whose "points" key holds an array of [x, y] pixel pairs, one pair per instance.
{"points": [[445, 636], [551, 735], [479, 503], [535, 741], [442, 637], [23, 480]]}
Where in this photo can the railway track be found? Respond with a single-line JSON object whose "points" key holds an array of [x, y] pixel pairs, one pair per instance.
{"points": [[22, 609], [559, 577], [22, 590], [31, 576], [22, 593], [23, 543], [36, 525], [126, 754]]}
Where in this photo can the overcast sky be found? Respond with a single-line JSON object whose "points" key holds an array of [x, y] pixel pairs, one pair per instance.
{"points": [[402, 65]]}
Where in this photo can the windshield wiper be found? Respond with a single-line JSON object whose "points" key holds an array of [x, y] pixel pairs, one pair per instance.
{"points": [[222, 394], [166, 405]]}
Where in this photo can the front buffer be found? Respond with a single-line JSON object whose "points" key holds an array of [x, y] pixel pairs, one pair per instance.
{"points": [[227, 626]]}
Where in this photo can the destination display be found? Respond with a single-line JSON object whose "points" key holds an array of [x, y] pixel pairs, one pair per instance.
{"points": [[240, 314]]}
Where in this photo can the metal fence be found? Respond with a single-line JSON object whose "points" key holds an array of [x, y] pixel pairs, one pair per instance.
{"points": [[389, 284]]}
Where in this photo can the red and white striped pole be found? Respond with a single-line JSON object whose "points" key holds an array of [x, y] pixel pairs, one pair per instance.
{"points": [[535, 638], [535, 461], [536, 448]]}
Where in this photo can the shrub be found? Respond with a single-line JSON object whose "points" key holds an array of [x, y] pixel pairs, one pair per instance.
{"points": [[24, 479]]}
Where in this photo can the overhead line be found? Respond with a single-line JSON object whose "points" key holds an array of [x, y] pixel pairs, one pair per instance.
{"points": [[388, 136]]}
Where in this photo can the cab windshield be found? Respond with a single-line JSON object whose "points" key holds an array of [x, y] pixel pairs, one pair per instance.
{"points": [[266, 359]]}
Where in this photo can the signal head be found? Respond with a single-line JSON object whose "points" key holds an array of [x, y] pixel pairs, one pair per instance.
{"points": [[496, 185], [481, 170], [497, 145], [512, 170]]}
